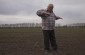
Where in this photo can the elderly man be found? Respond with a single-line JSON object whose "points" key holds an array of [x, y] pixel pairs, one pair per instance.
{"points": [[48, 26]]}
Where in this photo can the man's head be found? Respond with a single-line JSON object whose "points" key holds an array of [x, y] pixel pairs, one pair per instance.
{"points": [[50, 7]]}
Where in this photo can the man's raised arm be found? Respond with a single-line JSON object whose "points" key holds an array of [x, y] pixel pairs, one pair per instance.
{"points": [[40, 13]]}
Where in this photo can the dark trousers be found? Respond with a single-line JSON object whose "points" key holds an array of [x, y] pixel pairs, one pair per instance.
{"points": [[49, 38]]}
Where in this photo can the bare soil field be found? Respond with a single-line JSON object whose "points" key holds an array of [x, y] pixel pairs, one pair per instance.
{"points": [[29, 41]]}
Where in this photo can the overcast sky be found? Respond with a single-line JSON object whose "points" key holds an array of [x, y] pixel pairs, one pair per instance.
{"points": [[24, 11]]}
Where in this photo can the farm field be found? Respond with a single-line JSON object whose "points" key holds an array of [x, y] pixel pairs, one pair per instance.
{"points": [[29, 41]]}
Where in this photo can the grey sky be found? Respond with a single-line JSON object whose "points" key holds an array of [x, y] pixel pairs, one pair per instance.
{"points": [[24, 11]]}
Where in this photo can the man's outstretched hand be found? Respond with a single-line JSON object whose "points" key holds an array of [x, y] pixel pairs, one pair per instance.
{"points": [[57, 17], [60, 18]]}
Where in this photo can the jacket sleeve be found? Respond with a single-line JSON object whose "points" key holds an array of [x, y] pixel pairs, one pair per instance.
{"points": [[40, 13], [57, 17]]}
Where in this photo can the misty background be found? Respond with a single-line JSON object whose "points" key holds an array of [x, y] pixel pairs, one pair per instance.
{"points": [[24, 11]]}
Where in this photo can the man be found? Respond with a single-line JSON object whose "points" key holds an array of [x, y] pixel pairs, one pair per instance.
{"points": [[48, 26]]}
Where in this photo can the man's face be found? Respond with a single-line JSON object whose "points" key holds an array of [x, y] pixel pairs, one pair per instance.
{"points": [[50, 7]]}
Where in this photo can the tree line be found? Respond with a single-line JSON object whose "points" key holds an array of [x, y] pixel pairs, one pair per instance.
{"points": [[39, 25]]}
